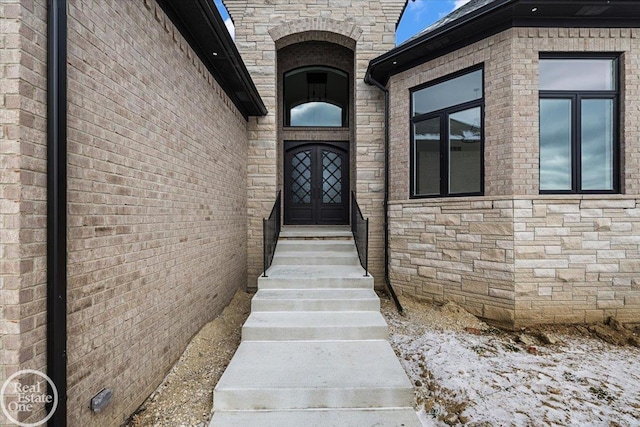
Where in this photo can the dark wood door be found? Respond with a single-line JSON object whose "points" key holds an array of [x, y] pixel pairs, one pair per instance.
{"points": [[316, 183]]}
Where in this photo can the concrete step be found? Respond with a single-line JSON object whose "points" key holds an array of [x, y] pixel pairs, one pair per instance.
{"points": [[315, 300], [394, 417], [316, 258], [318, 325], [315, 232], [314, 277], [316, 245], [313, 374]]}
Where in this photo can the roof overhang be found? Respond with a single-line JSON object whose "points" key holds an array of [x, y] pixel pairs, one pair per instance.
{"points": [[497, 16], [201, 25]]}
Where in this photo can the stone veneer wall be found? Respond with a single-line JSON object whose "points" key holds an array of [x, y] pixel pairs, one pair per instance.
{"points": [[577, 259], [569, 258], [157, 198], [455, 250], [260, 26]]}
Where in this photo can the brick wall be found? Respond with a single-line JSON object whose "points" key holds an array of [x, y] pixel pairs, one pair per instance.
{"points": [[260, 27], [9, 189], [527, 43], [157, 199], [571, 258], [495, 54], [22, 190], [157, 202]]}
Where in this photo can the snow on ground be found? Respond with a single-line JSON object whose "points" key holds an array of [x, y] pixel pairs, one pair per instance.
{"points": [[485, 378]]}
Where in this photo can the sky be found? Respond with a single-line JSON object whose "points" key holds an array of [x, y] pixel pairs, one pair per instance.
{"points": [[418, 15]]}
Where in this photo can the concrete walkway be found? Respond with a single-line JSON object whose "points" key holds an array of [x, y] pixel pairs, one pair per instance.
{"points": [[314, 350]]}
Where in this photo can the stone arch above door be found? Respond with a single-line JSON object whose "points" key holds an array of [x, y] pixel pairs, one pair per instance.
{"points": [[317, 29]]}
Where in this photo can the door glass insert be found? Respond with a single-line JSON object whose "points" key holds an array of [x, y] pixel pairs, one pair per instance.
{"points": [[331, 177], [301, 177]]}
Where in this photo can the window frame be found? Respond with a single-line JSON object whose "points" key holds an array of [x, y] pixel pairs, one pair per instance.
{"points": [[576, 97], [345, 116], [443, 115]]}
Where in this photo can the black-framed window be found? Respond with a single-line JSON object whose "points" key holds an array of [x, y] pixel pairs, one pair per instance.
{"points": [[316, 96], [579, 145], [447, 136]]}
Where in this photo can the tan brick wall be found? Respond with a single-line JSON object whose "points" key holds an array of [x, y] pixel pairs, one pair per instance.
{"points": [[370, 26], [22, 190], [527, 44], [9, 190], [157, 199], [157, 202], [572, 258], [495, 53]]}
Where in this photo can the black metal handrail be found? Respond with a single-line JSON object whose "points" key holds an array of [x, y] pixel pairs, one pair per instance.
{"points": [[360, 230], [270, 232]]}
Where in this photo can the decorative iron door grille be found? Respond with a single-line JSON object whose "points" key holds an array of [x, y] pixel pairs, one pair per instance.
{"points": [[316, 183]]}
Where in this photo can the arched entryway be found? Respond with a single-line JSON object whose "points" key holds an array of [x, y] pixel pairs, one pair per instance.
{"points": [[316, 119]]}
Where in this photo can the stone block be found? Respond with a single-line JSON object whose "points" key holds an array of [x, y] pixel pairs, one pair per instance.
{"points": [[630, 265], [610, 304], [608, 204], [502, 294], [430, 288], [498, 314], [487, 228], [475, 287], [493, 255], [530, 252], [447, 219], [449, 277], [428, 272], [571, 275]]}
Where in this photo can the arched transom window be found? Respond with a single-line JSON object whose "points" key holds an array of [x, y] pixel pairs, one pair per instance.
{"points": [[316, 97]]}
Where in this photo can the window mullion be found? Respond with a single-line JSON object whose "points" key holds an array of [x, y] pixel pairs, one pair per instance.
{"points": [[444, 154], [576, 139]]}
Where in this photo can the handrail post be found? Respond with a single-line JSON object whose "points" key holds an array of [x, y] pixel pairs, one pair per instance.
{"points": [[270, 234], [264, 247], [366, 245], [362, 242]]}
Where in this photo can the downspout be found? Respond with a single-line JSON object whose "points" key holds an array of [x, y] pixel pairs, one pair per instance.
{"points": [[371, 81], [57, 205]]}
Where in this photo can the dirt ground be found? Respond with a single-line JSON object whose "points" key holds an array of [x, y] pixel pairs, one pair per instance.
{"points": [[466, 372], [185, 396]]}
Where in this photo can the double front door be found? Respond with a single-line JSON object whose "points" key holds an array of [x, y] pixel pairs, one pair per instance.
{"points": [[316, 183]]}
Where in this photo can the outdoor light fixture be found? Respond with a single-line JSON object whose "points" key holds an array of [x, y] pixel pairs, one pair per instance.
{"points": [[101, 400], [316, 86]]}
